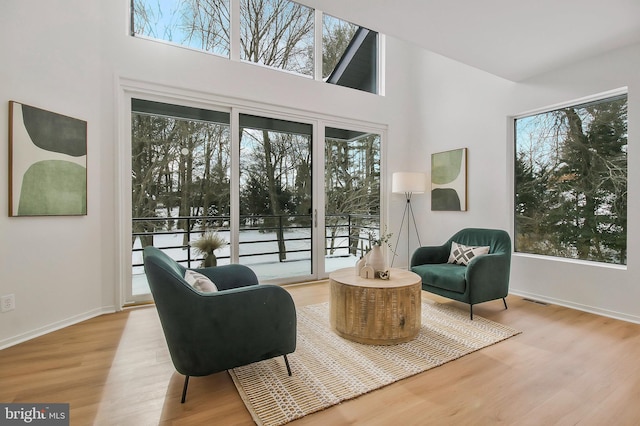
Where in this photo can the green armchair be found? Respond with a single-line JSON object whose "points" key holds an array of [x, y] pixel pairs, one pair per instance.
{"points": [[484, 278], [206, 333]]}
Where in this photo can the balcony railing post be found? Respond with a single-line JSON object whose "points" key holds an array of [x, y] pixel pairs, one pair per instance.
{"points": [[188, 242], [281, 244]]}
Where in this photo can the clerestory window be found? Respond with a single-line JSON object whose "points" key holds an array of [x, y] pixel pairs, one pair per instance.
{"points": [[349, 55], [275, 33], [278, 34], [197, 24]]}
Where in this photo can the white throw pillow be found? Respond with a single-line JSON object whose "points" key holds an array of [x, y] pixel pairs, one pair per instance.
{"points": [[462, 255], [199, 281]]}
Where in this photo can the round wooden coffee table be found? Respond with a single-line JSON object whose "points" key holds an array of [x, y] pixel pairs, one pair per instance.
{"points": [[375, 311]]}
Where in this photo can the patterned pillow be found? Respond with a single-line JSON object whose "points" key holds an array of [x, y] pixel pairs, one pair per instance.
{"points": [[199, 281], [462, 255]]}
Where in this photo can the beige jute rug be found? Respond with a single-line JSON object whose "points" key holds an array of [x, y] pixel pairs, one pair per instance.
{"points": [[328, 369]]}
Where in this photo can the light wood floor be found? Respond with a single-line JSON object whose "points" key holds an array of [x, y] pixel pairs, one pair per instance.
{"points": [[567, 367]]}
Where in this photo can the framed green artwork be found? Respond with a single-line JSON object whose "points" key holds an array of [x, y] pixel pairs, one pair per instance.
{"points": [[47, 163], [449, 180]]}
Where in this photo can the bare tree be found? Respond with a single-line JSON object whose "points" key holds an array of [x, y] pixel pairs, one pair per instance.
{"points": [[206, 24], [271, 162], [352, 183], [276, 33]]}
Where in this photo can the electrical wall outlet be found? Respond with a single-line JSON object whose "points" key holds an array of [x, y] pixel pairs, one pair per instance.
{"points": [[8, 303]]}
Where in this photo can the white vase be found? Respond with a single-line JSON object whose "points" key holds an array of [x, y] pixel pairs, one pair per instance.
{"points": [[375, 259]]}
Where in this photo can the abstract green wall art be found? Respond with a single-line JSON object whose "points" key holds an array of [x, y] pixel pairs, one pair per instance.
{"points": [[449, 180], [47, 163]]}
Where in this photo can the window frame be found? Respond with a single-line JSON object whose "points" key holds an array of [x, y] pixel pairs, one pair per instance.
{"points": [[512, 153], [131, 88], [234, 49]]}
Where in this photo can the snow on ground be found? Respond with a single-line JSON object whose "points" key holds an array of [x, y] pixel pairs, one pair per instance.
{"points": [[266, 267]]}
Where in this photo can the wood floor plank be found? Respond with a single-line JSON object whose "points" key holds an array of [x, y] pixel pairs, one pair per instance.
{"points": [[567, 367]]}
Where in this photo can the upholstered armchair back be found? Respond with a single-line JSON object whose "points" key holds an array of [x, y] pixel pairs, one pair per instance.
{"points": [[497, 239], [241, 323]]}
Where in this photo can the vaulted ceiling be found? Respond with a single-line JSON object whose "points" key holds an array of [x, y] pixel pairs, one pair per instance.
{"points": [[513, 39]]}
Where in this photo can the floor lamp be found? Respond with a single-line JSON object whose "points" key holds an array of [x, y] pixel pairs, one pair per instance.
{"points": [[408, 183]]}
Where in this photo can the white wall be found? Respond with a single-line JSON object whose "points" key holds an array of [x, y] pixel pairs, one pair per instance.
{"points": [[464, 107], [69, 57], [53, 265], [612, 291]]}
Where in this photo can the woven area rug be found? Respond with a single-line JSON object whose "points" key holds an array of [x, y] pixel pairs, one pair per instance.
{"points": [[328, 369]]}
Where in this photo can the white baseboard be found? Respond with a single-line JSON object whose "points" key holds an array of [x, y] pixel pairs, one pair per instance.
{"points": [[580, 307], [20, 338]]}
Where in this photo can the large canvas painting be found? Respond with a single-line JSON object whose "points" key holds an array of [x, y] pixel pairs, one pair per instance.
{"points": [[449, 180], [47, 163]]}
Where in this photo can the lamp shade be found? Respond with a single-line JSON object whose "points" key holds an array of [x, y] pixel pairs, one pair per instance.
{"points": [[413, 182]]}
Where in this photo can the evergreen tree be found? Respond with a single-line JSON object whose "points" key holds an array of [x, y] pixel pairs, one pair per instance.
{"points": [[572, 200]]}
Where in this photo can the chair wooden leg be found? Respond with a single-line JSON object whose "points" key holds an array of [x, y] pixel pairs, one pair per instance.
{"points": [[184, 389], [505, 303], [471, 312], [286, 362]]}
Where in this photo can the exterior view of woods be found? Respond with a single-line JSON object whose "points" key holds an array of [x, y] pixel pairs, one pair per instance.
{"points": [[571, 182], [352, 185], [181, 179], [336, 36], [199, 24], [180, 168], [181, 157], [275, 33], [275, 178]]}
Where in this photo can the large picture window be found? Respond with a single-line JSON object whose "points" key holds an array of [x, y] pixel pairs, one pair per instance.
{"points": [[571, 182]]}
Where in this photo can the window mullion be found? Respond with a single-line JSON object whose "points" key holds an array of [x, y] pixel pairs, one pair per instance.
{"points": [[234, 225], [234, 18], [317, 50]]}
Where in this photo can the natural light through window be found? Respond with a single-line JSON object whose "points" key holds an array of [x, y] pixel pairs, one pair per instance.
{"points": [[278, 34], [196, 24], [571, 182]]}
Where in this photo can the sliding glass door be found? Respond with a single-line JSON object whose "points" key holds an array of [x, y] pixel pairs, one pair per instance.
{"points": [[275, 232], [352, 195], [258, 182], [180, 180]]}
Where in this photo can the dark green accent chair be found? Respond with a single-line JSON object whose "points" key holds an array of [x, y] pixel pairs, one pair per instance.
{"points": [[206, 333], [485, 278]]}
